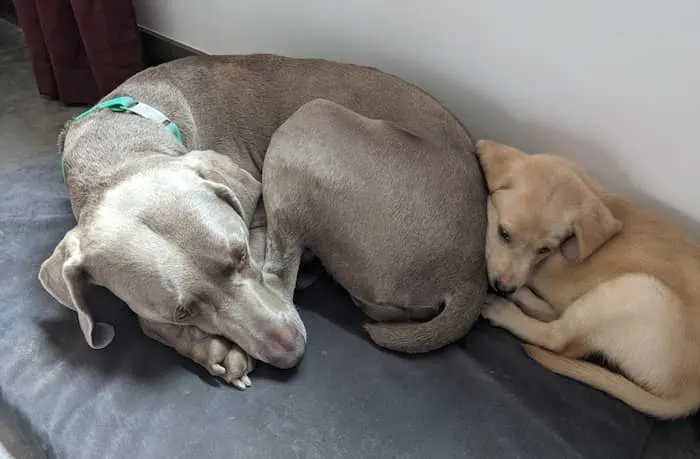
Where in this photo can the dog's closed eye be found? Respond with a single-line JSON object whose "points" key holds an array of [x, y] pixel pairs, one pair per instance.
{"points": [[237, 262], [186, 311]]}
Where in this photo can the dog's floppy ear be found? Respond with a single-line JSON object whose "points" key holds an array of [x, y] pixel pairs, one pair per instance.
{"points": [[593, 226], [231, 183], [63, 275], [497, 162]]}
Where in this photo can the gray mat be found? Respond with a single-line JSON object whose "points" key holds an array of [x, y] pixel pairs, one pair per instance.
{"points": [[481, 398]]}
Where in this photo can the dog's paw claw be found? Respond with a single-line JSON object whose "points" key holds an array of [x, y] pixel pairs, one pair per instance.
{"points": [[227, 361], [238, 365], [217, 369]]}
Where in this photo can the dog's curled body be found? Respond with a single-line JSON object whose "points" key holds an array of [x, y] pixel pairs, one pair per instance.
{"points": [[392, 215], [154, 216]]}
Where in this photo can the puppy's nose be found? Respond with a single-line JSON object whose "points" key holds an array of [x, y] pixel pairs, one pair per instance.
{"points": [[502, 289]]}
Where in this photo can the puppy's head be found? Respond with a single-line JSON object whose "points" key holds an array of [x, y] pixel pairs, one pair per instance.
{"points": [[170, 238], [537, 204]]}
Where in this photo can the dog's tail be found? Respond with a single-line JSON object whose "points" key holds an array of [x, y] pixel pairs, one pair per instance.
{"points": [[616, 385], [451, 324]]}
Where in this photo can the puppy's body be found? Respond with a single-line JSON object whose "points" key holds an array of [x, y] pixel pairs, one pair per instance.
{"points": [[647, 245], [624, 284]]}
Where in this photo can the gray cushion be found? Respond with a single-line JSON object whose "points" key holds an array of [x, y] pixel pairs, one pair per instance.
{"points": [[481, 398]]}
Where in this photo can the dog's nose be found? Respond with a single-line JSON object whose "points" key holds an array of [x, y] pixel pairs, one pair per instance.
{"points": [[285, 337], [501, 288], [286, 346]]}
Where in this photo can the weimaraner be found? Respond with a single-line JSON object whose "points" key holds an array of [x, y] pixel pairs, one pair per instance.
{"points": [[165, 187]]}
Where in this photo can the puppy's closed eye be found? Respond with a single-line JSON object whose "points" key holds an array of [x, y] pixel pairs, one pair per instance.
{"points": [[504, 234], [544, 251]]}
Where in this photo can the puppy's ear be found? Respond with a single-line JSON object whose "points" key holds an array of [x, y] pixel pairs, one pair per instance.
{"points": [[231, 183], [593, 226], [63, 275], [497, 162]]}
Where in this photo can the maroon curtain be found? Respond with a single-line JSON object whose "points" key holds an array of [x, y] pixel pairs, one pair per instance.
{"points": [[80, 49]]}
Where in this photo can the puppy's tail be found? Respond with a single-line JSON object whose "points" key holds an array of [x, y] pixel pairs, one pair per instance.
{"points": [[616, 385], [453, 322]]}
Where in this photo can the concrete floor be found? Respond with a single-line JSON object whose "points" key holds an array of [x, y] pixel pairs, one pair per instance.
{"points": [[29, 126]]}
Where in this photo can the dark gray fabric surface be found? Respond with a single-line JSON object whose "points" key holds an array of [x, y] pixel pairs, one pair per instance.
{"points": [[482, 398]]}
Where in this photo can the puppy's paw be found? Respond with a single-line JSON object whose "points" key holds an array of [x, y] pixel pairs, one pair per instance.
{"points": [[498, 310]]}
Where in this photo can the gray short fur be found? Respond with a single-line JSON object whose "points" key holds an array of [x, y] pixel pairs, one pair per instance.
{"points": [[155, 224]]}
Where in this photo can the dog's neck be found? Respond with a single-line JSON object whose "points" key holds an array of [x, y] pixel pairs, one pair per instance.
{"points": [[100, 145]]}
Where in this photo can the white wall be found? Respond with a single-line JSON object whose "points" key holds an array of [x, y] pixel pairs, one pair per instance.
{"points": [[615, 84]]}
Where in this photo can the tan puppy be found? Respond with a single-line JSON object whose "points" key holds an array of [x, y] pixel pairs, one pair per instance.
{"points": [[592, 274]]}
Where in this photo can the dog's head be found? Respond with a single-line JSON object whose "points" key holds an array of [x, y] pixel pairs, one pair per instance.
{"points": [[170, 238], [538, 204]]}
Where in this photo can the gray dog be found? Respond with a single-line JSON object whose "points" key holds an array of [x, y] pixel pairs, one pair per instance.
{"points": [[164, 180]]}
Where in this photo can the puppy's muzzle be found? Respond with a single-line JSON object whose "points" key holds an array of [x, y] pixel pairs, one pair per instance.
{"points": [[501, 288]]}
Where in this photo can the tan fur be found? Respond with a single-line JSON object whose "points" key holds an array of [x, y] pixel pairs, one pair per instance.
{"points": [[618, 281]]}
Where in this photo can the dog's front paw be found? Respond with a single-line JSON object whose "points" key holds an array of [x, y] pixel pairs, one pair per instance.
{"points": [[497, 310], [238, 365], [229, 362]]}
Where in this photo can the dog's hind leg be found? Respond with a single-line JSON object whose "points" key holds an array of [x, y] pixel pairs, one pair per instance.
{"points": [[284, 250], [218, 356], [282, 260]]}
